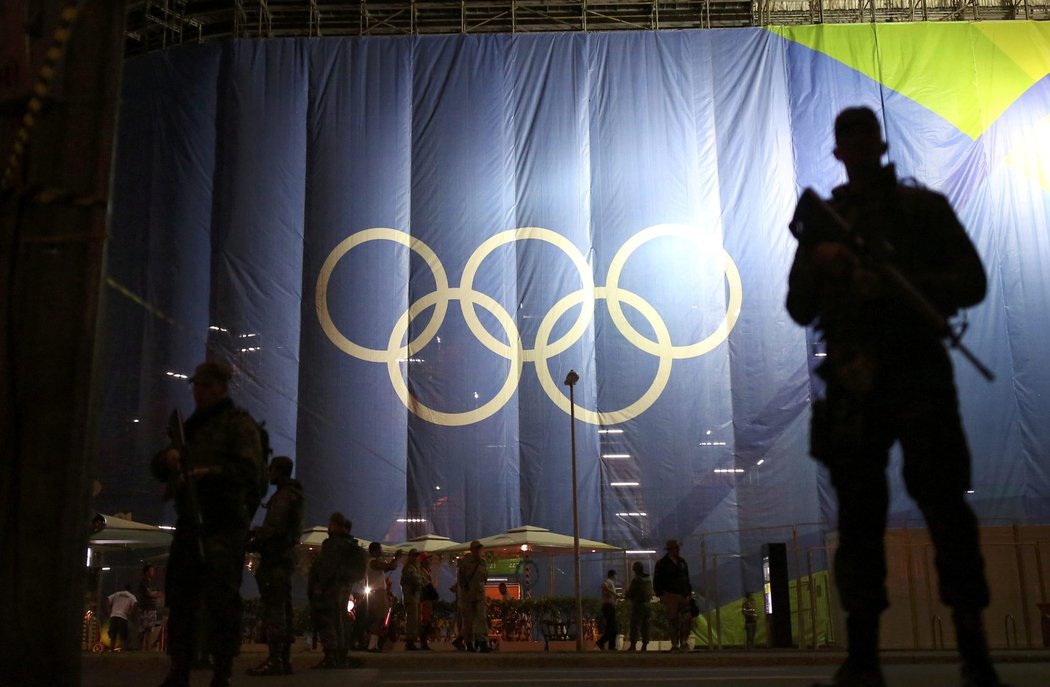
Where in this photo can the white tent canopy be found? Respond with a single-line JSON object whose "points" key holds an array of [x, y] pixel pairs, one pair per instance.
{"points": [[313, 537], [430, 543], [120, 533], [532, 539]]}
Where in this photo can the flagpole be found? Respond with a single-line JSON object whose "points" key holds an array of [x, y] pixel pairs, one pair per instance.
{"points": [[570, 381]]}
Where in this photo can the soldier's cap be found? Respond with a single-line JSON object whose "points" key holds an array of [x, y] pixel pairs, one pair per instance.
{"points": [[212, 372], [338, 518], [282, 464], [854, 118], [672, 544], [475, 545]]}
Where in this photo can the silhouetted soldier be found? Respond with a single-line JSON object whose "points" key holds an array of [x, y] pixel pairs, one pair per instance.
{"points": [[217, 480], [339, 565], [275, 540], [889, 378]]}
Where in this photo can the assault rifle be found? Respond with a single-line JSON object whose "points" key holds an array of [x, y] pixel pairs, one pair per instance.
{"points": [[177, 434], [815, 221]]}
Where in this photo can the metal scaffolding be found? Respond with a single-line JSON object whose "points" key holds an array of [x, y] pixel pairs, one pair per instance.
{"points": [[159, 24]]}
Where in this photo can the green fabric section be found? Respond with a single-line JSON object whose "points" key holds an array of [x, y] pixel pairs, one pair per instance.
{"points": [[969, 74], [816, 612]]}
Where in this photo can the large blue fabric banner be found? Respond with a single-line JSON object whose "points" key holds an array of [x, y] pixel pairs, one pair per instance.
{"points": [[405, 244]]}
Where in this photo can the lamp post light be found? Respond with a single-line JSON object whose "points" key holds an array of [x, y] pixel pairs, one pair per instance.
{"points": [[570, 381]]}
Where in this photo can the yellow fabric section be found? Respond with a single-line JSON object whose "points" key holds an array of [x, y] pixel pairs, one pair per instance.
{"points": [[969, 74], [1031, 159]]}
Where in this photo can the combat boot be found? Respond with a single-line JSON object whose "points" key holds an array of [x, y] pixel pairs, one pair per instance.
{"points": [[286, 659], [329, 662], [270, 666]]}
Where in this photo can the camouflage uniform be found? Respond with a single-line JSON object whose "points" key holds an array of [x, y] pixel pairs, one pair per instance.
{"points": [[889, 378], [329, 590], [226, 440], [275, 540]]}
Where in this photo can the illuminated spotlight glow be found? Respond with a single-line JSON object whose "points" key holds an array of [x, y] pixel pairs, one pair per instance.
{"points": [[633, 515], [640, 552], [524, 547], [411, 360], [106, 568], [820, 354], [499, 579], [712, 443], [616, 455], [610, 431], [970, 491], [246, 336], [167, 527], [411, 519], [760, 461], [177, 375], [135, 420], [215, 328], [623, 484], [729, 470]]}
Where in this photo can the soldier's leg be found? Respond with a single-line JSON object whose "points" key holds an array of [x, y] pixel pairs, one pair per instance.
{"points": [[289, 638], [182, 595], [272, 612], [857, 467], [937, 475], [222, 599]]}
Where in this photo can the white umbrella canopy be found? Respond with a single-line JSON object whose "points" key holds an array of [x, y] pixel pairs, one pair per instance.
{"points": [[121, 533], [430, 543], [313, 537], [534, 540]]}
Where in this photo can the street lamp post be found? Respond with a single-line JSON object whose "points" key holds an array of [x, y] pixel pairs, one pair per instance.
{"points": [[570, 381]]}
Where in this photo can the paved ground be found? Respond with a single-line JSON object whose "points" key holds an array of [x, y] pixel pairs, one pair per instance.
{"points": [[528, 664]]}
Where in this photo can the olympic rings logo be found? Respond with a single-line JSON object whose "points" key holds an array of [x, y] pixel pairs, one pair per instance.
{"points": [[543, 348]]}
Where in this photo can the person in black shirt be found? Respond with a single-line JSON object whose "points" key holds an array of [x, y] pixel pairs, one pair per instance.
{"points": [[671, 584]]}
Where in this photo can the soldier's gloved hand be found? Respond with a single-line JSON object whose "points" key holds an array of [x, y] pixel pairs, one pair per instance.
{"points": [[866, 284], [832, 260], [173, 459]]}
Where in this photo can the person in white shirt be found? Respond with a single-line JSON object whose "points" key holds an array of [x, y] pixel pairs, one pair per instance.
{"points": [[120, 606], [610, 629]]}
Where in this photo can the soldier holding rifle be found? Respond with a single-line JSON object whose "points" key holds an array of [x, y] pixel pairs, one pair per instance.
{"points": [[879, 269], [215, 472]]}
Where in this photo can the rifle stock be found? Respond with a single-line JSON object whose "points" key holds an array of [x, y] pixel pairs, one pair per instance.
{"points": [[816, 221]]}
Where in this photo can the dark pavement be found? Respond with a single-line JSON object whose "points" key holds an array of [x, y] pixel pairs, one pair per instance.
{"points": [[525, 663]]}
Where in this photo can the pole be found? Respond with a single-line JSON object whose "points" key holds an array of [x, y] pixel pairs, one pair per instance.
{"points": [[54, 190], [570, 381]]}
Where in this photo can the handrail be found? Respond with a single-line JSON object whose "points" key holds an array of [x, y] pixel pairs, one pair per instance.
{"points": [[1010, 623], [937, 632]]}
